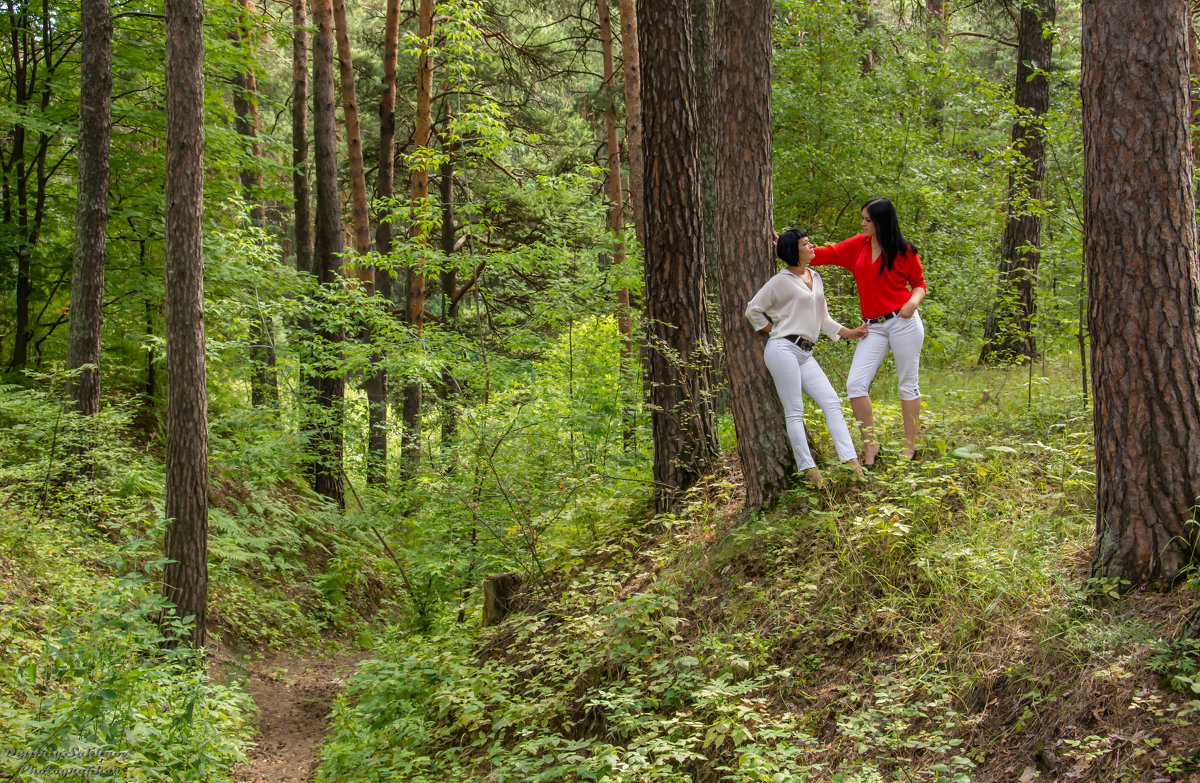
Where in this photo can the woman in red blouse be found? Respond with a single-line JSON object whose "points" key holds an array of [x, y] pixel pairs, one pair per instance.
{"points": [[891, 283]]}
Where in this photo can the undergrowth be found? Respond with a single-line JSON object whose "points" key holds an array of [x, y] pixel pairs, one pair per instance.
{"points": [[92, 683], [934, 622]]}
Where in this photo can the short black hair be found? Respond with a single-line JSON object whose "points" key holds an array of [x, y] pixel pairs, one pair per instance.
{"points": [[787, 249]]}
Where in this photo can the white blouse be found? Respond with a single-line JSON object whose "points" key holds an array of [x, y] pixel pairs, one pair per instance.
{"points": [[793, 307]]}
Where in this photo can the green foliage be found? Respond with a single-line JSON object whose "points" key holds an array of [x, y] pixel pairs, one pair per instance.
{"points": [[865, 634]]}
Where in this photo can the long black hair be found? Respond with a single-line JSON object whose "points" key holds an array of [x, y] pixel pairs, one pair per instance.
{"points": [[787, 248], [887, 231]]}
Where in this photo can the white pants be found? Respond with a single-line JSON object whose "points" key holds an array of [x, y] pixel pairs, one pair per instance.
{"points": [[797, 373], [904, 338]]}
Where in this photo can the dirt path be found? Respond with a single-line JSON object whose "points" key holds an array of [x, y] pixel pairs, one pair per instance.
{"points": [[294, 696]]}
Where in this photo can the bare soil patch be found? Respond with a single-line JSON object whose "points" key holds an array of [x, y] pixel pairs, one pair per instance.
{"points": [[294, 696]]}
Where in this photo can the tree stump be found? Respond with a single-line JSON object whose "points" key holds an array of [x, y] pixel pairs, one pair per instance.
{"points": [[499, 592]]}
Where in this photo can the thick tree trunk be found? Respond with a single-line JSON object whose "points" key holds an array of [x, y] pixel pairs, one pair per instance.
{"points": [[744, 202], [415, 301], [678, 348], [632, 68], [1144, 298], [91, 206], [329, 384], [185, 579], [1009, 330], [706, 109], [376, 385]]}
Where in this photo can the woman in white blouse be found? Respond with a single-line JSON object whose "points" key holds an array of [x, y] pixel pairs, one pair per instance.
{"points": [[791, 308]]}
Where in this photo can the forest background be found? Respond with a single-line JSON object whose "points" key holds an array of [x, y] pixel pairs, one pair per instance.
{"points": [[436, 366]]}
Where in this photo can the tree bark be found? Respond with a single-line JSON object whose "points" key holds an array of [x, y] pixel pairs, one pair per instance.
{"points": [[415, 301], [329, 384], [744, 205], [632, 68], [703, 18], [678, 349], [264, 389], [376, 385], [360, 218], [300, 190], [500, 592], [616, 222], [35, 57], [185, 579], [1008, 333], [1144, 297], [91, 207]]}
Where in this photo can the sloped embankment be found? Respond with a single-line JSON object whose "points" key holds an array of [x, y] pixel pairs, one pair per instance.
{"points": [[933, 623]]}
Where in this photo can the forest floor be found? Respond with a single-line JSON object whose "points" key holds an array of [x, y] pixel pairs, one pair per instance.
{"points": [[294, 696]]}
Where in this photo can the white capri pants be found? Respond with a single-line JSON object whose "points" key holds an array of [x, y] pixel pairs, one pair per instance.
{"points": [[904, 338], [797, 373]]}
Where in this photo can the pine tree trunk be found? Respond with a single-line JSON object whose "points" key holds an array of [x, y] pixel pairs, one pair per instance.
{"points": [[450, 390], [329, 385], [744, 204], [1009, 330], [185, 578], [360, 218], [1144, 297], [376, 385], [300, 190], [264, 388], [632, 68], [616, 223], [703, 19], [678, 349], [91, 206], [415, 303]]}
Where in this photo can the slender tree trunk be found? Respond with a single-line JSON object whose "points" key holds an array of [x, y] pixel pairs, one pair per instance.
{"points": [[1144, 302], [33, 81], [22, 91], [450, 390], [185, 579], [300, 191], [616, 223], [744, 204], [354, 154], [376, 385], [330, 385], [631, 65], [91, 207], [1008, 333], [415, 308], [264, 388], [676, 318]]}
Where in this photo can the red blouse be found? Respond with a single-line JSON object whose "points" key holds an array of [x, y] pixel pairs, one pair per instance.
{"points": [[878, 294]]}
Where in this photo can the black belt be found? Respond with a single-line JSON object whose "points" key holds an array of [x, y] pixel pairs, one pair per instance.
{"points": [[805, 345], [884, 317]]}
